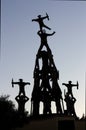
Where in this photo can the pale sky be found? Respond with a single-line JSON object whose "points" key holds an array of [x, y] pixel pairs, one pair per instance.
{"points": [[20, 42]]}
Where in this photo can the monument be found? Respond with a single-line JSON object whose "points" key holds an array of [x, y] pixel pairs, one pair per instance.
{"points": [[46, 88], [46, 76]]}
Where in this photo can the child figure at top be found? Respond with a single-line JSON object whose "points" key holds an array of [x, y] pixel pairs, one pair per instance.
{"points": [[40, 21]]}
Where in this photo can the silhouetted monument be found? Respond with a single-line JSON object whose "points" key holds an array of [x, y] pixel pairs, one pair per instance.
{"points": [[46, 88], [21, 98], [69, 98]]}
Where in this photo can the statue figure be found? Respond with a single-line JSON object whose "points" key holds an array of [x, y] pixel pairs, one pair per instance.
{"points": [[70, 101], [43, 35], [69, 87], [40, 21], [21, 86], [21, 100], [46, 88], [44, 57], [56, 91]]}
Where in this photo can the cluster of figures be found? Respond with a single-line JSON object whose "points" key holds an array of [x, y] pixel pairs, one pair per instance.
{"points": [[21, 98], [46, 88], [70, 99]]}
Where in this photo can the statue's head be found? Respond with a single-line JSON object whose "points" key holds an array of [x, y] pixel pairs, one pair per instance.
{"points": [[70, 82], [39, 16], [21, 97], [21, 80], [44, 31]]}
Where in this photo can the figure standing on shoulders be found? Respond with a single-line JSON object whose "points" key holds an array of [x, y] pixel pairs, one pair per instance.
{"points": [[21, 86], [43, 35], [69, 87], [40, 21]]}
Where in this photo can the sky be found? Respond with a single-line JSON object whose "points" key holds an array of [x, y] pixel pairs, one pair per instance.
{"points": [[20, 42]]}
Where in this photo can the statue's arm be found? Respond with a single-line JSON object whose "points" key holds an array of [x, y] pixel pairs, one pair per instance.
{"points": [[38, 33], [65, 84], [74, 85], [44, 17], [34, 20], [15, 82], [17, 98], [27, 83], [51, 34]]}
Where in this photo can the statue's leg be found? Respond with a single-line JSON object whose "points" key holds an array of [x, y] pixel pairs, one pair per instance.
{"points": [[41, 46], [46, 27]]}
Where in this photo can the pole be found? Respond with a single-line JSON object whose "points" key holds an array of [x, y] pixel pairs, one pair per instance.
{"points": [[85, 94]]}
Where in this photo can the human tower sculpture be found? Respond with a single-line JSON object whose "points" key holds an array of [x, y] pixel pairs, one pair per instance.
{"points": [[46, 87]]}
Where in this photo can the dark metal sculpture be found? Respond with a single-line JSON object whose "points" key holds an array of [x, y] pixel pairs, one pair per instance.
{"points": [[40, 21], [69, 87], [46, 87], [46, 76], [69, 98], [21, 86], [21, 98]]}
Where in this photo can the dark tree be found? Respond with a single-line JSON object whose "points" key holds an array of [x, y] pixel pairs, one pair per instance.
{"points": [[7, 112], [9, 116]]}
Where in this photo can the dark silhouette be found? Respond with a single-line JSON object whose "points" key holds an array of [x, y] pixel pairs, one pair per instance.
{"points": [[45, 84], [8, 113], [70, 101], [43, 35], [46, 87], [21, 86], [46, 102], [40, 21], [56, 91], [36, 90], [69, 87], [21, 100], [69, 98]]}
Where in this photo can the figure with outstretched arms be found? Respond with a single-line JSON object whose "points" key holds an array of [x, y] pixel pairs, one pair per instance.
{"points": [[43, 35], [69, 87], [40, 21], [21, 86]]}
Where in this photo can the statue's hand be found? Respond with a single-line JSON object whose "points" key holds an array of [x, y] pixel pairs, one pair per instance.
{"points": [[47, 16], [32, 20], [12, 83]]}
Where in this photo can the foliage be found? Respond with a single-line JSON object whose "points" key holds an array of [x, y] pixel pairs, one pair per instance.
{"points": [[9, 116]]}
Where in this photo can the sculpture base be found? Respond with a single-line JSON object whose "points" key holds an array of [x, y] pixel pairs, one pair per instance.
{"points": [[53, 122]]}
